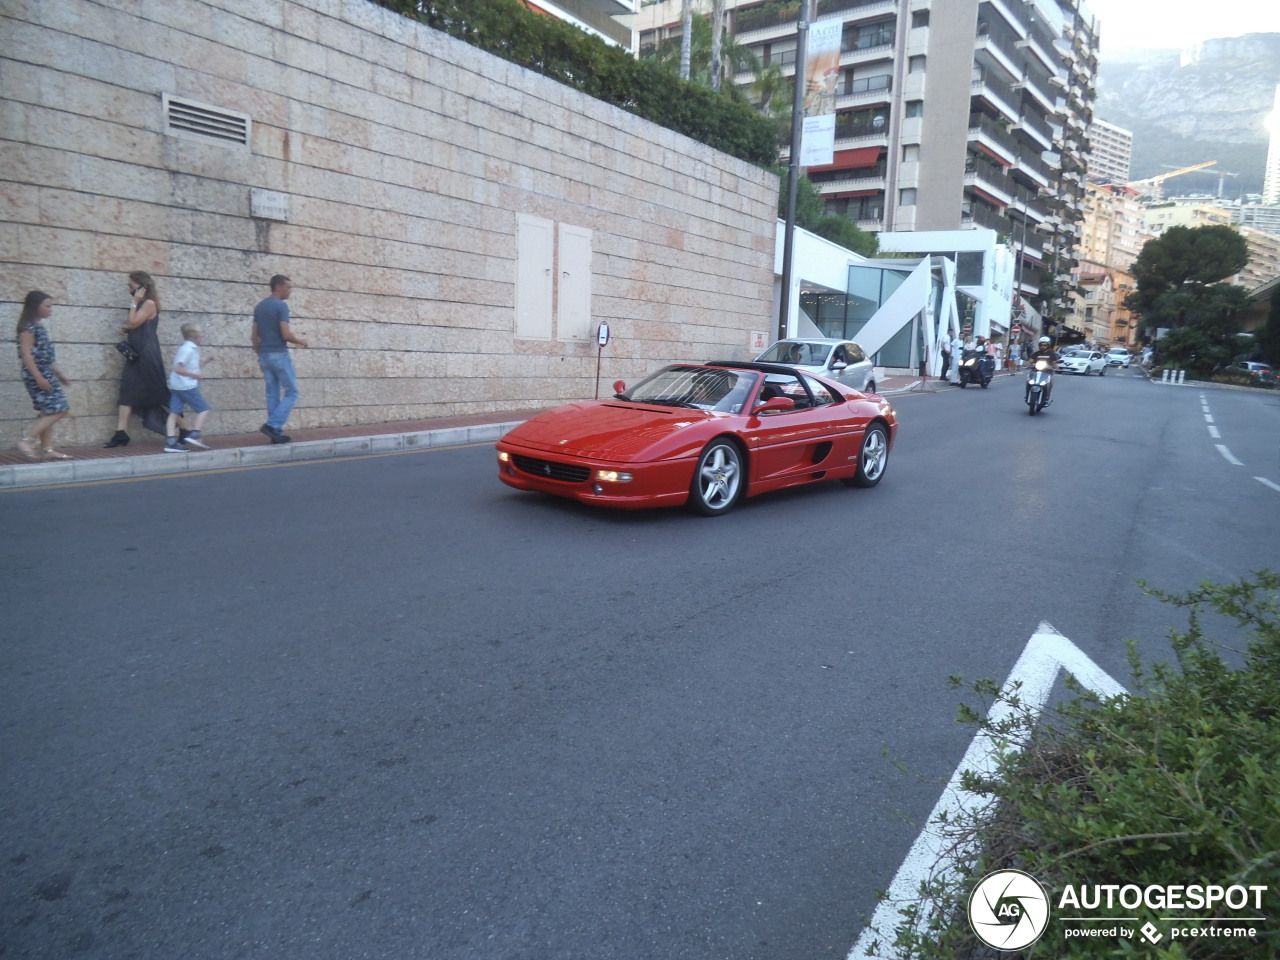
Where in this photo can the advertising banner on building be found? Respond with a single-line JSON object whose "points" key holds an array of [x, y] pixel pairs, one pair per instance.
{"points": [[822, 73]]}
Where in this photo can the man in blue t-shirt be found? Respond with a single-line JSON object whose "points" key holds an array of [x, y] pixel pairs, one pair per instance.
{"points": [[271, 339]]}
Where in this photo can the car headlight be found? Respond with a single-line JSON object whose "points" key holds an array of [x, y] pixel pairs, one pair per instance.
{"points": [[613, 476], [504, 457]]}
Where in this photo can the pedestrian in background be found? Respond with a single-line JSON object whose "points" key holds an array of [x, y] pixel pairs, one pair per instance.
{"points": [[144, 389], [957, 353], [41, 376], [945, 346], [271, 338], [184, 391]]}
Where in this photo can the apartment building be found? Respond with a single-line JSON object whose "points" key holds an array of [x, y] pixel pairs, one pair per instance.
{"points": [[1113, 225], [950, 114], [1110, 152]]}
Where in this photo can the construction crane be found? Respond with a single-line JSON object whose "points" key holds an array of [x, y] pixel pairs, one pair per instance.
{"points": [[1222, 179], [1157, 182]]}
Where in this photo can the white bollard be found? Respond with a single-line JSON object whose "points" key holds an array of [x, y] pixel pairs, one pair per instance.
{"points": [[1164, 377], [1182, 376]]}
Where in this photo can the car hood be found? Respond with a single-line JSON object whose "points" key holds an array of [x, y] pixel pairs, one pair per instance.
{"points": [[604, 429]]}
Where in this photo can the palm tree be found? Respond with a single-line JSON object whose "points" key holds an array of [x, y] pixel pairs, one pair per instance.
{"points": [[698, 39]]}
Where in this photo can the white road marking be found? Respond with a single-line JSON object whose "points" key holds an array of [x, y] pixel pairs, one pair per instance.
{"points": [[1033, 676], [1213, 432], [1270, 483], [1226, 454], [1208, 418]]}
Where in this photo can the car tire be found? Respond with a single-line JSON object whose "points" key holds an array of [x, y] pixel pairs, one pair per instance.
{"points": [[872, 459], [1102, 372], [871, 387], [718, 479]]}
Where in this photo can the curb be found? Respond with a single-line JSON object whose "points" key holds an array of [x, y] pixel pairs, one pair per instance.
{"points": [[21, 475]]}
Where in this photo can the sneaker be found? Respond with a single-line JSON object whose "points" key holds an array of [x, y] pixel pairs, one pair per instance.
{"points": [[118, 439], [174, 445], [192, 439], [279, 437], [270, 431]]}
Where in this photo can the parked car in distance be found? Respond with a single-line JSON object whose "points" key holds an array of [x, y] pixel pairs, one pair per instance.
{"points": [[1256, 371], [702, 434], [1118, 357], [841, 360], [1080, 360]]}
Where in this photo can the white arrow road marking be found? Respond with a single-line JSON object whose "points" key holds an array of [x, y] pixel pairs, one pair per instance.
{"points": [[1046, 653], [1270, 483]]}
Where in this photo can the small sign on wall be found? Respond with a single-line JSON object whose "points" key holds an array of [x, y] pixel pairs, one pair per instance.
{"points": [[268, 204], [759, 340]]}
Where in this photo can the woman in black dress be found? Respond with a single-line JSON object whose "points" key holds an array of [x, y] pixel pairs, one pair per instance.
{"points": [[144, 388]]}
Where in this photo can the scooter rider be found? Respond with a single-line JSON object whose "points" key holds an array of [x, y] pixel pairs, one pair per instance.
{"points": [[1043, 350]]}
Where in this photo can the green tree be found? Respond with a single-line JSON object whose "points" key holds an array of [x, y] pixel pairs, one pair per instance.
{"points": [[1269, 333], [1183, 259], [811, 214], [734, 58], [1178, 286]]}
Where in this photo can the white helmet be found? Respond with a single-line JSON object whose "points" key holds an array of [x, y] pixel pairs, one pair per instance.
{"points": [[1044, 340]]}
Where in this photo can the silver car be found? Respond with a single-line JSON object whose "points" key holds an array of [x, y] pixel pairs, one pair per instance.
{"points": [[841, 360]]}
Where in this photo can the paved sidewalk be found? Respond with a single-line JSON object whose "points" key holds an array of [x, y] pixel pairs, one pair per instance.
{"points": [[145, 456]]}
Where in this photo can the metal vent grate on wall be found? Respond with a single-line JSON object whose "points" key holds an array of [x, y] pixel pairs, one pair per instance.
{"points": [[188, 118]]}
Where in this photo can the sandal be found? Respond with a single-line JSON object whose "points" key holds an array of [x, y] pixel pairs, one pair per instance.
{"points": [[52, 454], [27, 447]]}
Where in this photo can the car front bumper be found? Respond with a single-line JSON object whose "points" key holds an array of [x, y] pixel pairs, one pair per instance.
{"points": [[655, 484]]}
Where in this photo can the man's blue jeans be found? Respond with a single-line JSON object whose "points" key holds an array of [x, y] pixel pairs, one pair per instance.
{"points": [[277, 371]]}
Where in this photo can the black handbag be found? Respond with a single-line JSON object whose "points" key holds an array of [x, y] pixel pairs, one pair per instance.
{"points": [[127, 351]]}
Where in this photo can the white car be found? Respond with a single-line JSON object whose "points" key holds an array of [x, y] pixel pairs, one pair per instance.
{"points": [[1118, 357], [1079, 360], [841, 360]]}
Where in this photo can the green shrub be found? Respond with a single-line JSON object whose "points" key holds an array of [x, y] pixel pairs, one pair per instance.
{"points": [[509, 29], [1177, 783]]}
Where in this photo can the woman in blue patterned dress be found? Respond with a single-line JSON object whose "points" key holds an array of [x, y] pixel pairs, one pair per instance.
{"points": [[43, 380]]}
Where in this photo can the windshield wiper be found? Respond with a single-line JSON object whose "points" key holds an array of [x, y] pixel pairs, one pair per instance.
{"points": [[669, 402]]}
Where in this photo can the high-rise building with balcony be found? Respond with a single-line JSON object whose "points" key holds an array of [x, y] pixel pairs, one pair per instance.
{"points": [[1271, 176], [950, 113], [1110, 152], [1113, 225]]}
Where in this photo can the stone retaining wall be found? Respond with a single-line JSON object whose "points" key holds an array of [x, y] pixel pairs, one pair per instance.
{"points": [[455, 226]]}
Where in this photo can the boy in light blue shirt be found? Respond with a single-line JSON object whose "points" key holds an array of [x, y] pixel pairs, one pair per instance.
{"points": [[184, 391]]}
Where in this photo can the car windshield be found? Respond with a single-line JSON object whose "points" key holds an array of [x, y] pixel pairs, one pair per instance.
{"points": [[1077, 353], [1118, 353], [701, 388], [797, 352]]}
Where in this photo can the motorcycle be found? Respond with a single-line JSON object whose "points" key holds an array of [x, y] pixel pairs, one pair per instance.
{"points": [[977, 367], [1039, 380]]}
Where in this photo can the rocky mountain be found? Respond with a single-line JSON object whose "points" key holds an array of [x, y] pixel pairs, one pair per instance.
{"points": [[1185, 107]]}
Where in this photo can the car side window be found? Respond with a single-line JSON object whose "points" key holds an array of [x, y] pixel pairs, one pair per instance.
{"points": [[854, 353], [822, 394], [786, 385]]}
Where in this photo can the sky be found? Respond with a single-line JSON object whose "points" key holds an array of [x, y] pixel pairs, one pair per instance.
{"points": [[1180, 23]]}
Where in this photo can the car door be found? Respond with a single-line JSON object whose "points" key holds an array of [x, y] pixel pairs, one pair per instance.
{"points": [[858, 369], [791, 443]]}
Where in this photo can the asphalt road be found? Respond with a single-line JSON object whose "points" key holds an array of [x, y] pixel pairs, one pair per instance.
{"points": [[389, 708]]}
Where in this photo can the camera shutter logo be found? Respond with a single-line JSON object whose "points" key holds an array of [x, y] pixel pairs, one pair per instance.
{"points": [[1008, 910]]}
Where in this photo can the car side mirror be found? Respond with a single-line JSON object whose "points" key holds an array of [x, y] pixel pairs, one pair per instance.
{"points": [[775, 405], [619, 387], [839, 365]]}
